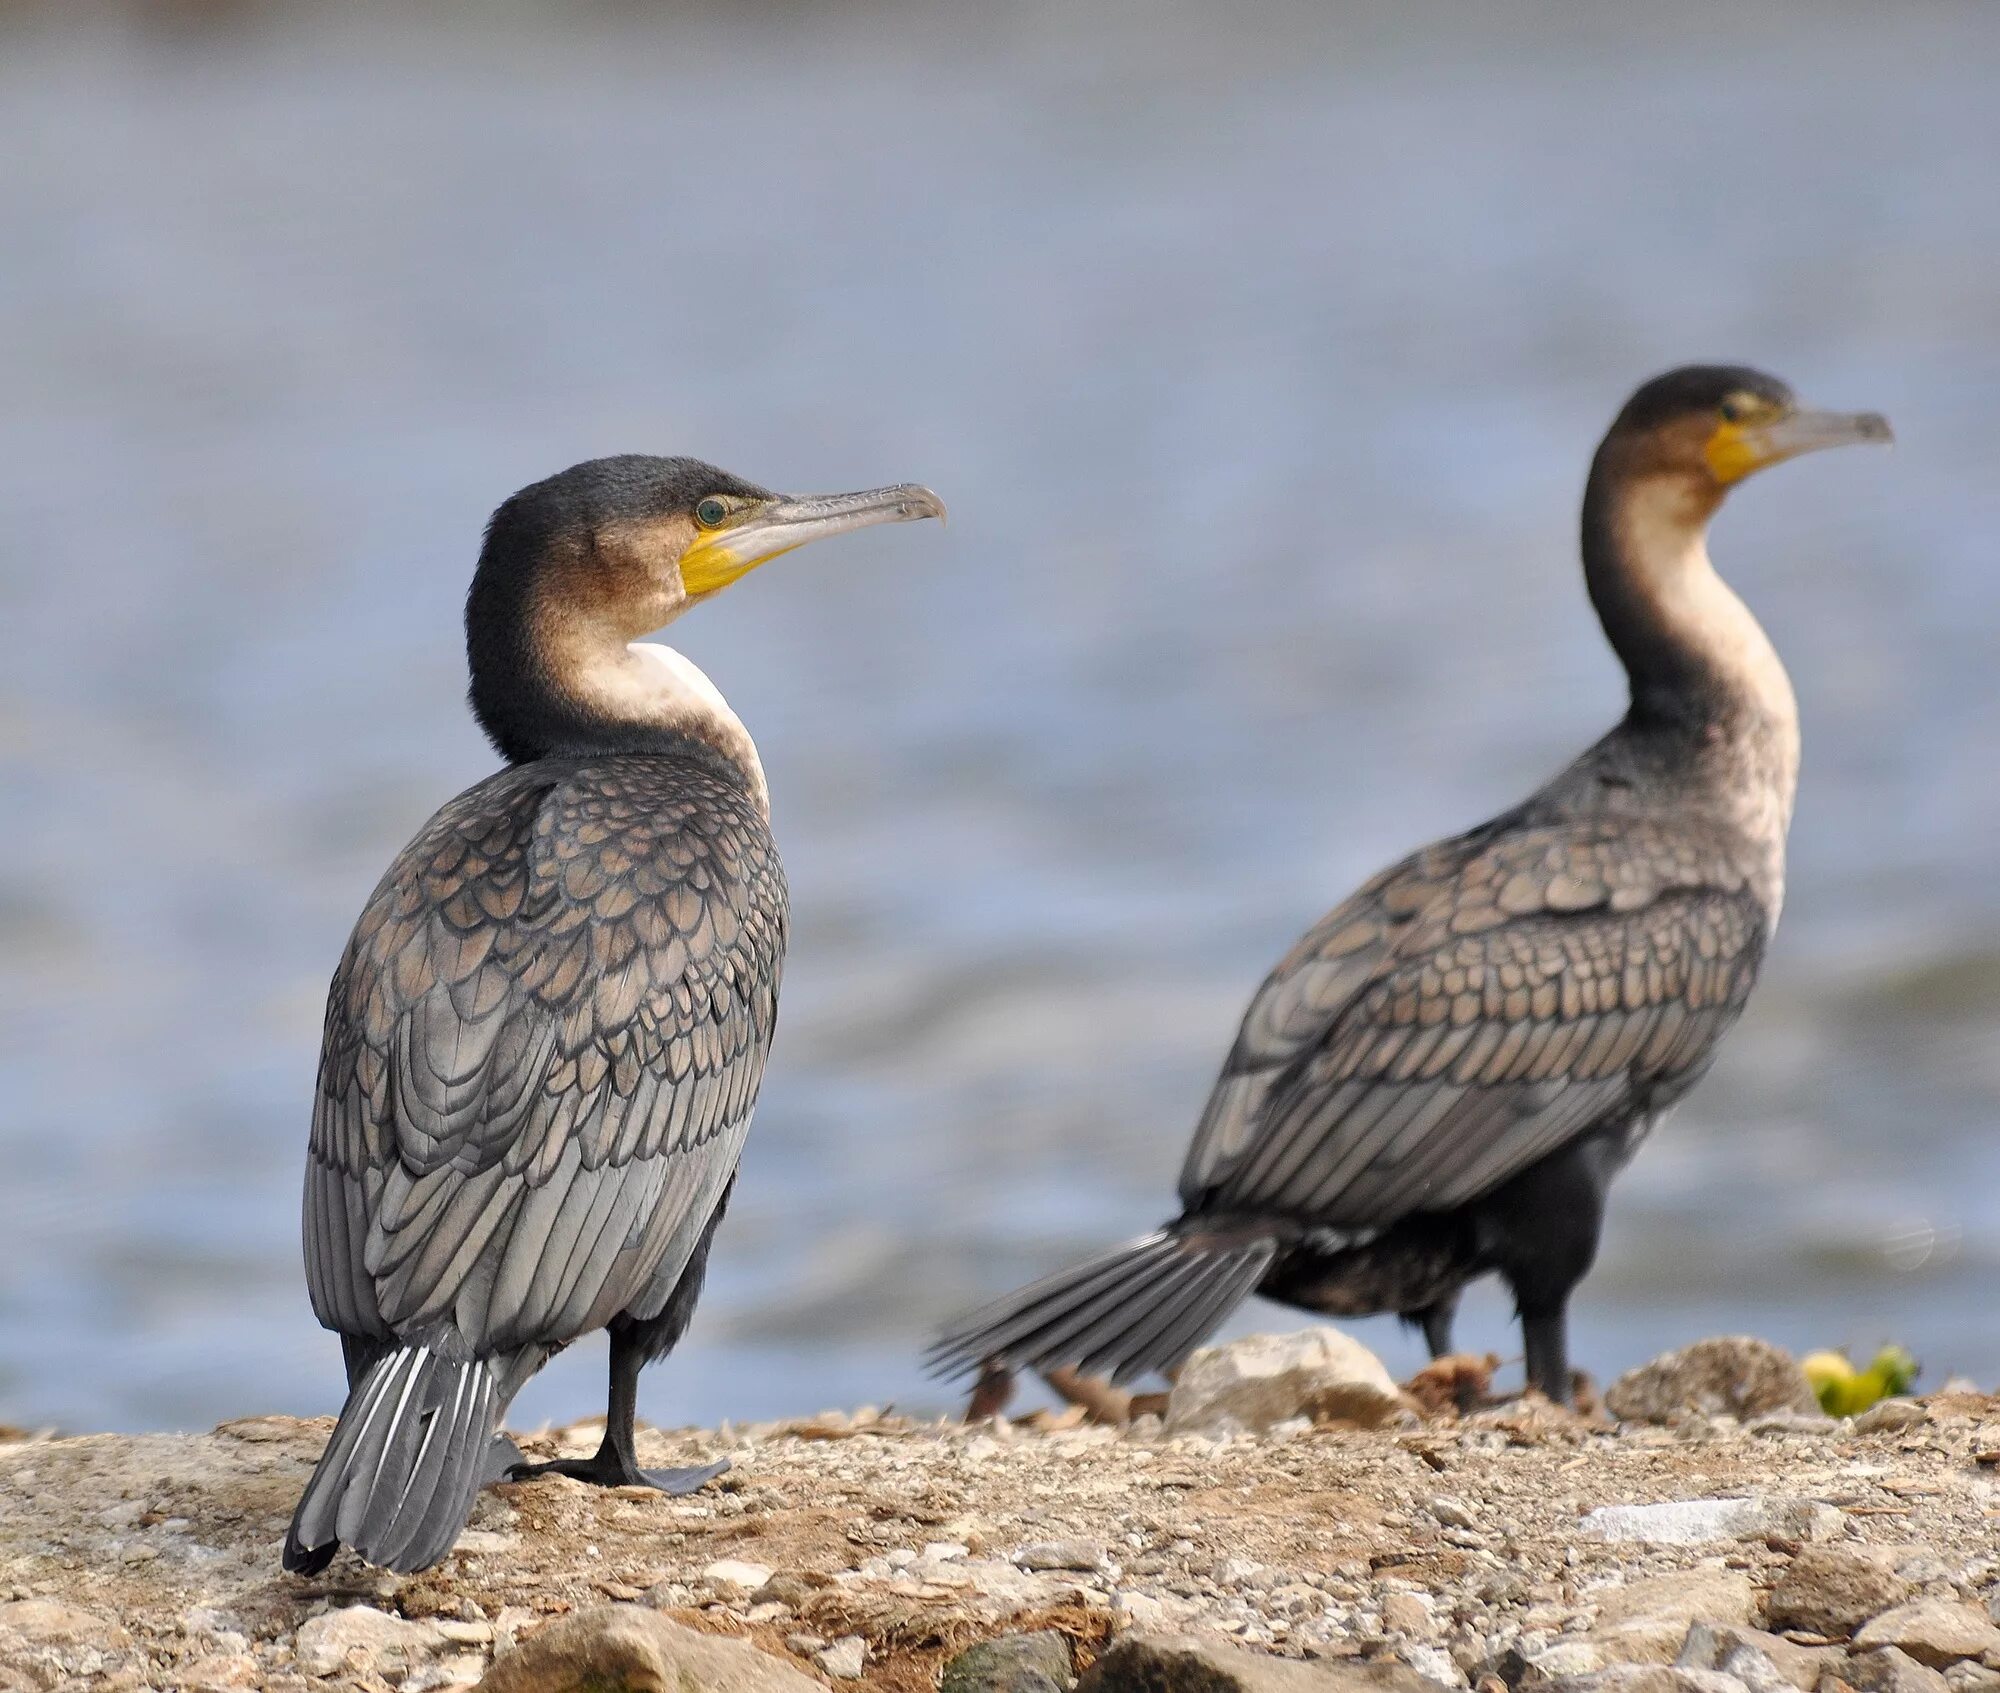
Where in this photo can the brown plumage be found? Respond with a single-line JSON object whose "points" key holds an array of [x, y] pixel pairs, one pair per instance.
{"points": [[544, 1041], [1441, 1078]]}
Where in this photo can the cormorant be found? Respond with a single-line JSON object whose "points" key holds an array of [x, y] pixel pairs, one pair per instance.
{"points": [[544, 1039], [1443, 1076]]}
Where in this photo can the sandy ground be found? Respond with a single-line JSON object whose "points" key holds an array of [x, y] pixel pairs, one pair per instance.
{"points": [[1447, 1545]]}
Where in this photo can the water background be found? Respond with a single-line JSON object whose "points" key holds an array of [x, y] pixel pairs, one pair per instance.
{"points": [[1259, 350]]}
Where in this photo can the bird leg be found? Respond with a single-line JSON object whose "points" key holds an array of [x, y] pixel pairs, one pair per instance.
{"points": [[1436, 1321], [1547, 1335], [615, 1463], [991, 1392]]}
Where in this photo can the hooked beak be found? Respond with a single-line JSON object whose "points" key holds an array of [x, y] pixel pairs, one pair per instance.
{"points": [[718, 557], [1738, 449]]}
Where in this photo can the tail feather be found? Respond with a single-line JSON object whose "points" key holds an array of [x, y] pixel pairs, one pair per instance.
{"points": [[1141, 1306], [1144, 1322], [403, 1466]]}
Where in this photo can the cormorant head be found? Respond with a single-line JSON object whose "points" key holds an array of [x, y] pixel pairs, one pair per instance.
{"points": [[631, 542], [1710, 426], [579, 565]]}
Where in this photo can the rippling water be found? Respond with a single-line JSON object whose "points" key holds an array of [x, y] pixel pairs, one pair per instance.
{"points": [[1259, 361]]}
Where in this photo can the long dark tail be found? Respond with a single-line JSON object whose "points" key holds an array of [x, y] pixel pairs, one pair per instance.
{"points": [[1141, 1306], [402, 1468]]}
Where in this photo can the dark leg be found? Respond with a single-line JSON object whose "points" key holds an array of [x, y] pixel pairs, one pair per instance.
{"points": [[634, 1345], [1542, 1230], [1436, 1321], [991, 1392], [1547, 1337]]}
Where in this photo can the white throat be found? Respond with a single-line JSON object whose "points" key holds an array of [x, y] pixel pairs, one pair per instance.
{"points": [[646, 682], [1702, 614]]}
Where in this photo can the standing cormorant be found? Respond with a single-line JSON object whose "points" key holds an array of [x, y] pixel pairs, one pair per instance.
{"points": [[1443, 1076], [544, 1039]]}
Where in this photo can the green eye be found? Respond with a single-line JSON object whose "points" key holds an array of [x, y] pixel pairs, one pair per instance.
{"points": [[710, 512], [1738, 407]]}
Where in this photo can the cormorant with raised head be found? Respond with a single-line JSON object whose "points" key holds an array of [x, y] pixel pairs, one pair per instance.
{"points": [[544, 1040], [1443, 1076]]}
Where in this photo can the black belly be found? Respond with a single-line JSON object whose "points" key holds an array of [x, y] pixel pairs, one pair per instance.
{"points": [[1543, 1222]]}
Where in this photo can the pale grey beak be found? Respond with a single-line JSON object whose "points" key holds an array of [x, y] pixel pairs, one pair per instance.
{"points": [[717, 558], [1814, 431]]}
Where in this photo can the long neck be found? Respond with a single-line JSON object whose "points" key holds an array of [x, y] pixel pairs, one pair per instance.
{"points": [[1700, 664], [547, 682], [1692, 649]]}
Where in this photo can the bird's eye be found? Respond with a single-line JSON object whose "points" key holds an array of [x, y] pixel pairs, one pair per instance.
{"points": [[1738, 407], [710, 512]]}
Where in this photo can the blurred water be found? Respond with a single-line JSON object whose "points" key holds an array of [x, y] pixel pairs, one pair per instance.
{"points": [[1259, 352]]}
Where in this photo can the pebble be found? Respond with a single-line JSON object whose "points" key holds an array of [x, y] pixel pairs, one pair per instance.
{"points": [[1834, 1590], [1693, 1522], [324, 1642], [734, 1572], [1011, 1663], [845, 1659], [1061, 1555], [1891, 1416], [1647, 1620], [1407, 1613], [1708, 1644], [1886, 1670], [1937, 1632], [1264, 1380], [50, 1622], [1732, 1375]]}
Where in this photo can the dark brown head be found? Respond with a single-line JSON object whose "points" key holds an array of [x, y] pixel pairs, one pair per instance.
{"points": [[578, 566], [1706, 427], [1670, 457]]}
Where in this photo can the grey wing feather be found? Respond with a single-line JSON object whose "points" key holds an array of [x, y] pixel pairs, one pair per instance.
{"points": [[1552, 979], [542, 1050], [1302, 998]]}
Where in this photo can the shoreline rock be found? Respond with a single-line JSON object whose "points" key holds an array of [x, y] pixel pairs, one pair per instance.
{"points": [[868, 1550]]}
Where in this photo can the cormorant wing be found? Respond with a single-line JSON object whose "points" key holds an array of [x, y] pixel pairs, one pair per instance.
{"points": [[1300, 1000], [1556, 975], [542, 1049]]}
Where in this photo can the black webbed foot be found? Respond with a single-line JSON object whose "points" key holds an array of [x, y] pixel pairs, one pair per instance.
{"points": [[606, 1469]]}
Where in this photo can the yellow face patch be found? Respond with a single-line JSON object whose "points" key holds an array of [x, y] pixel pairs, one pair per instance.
{"points": [[712, 562], [1733, 451]]}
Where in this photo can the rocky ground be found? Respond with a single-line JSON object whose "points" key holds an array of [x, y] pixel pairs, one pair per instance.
{"points": [[1745, 1538]]}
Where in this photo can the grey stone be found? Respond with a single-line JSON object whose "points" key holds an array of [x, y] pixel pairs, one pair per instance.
{"points": [[1266, 1379], [1061, 1555], [734, 1572], [1407, 1613], [1646, 1621], [49, 1622], [324, 1642], [635, 1650], [1754, 1670], [1651, 1678], [1890, 1415], [1173, 1663], [845, 1659], [1972, 1678], [1937, 1632], [1565, 1660], [1735, 1376], [1886, 1670], [1833, 1590], [1708, 1645], [1011, 1663], [1694, 1522]]}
